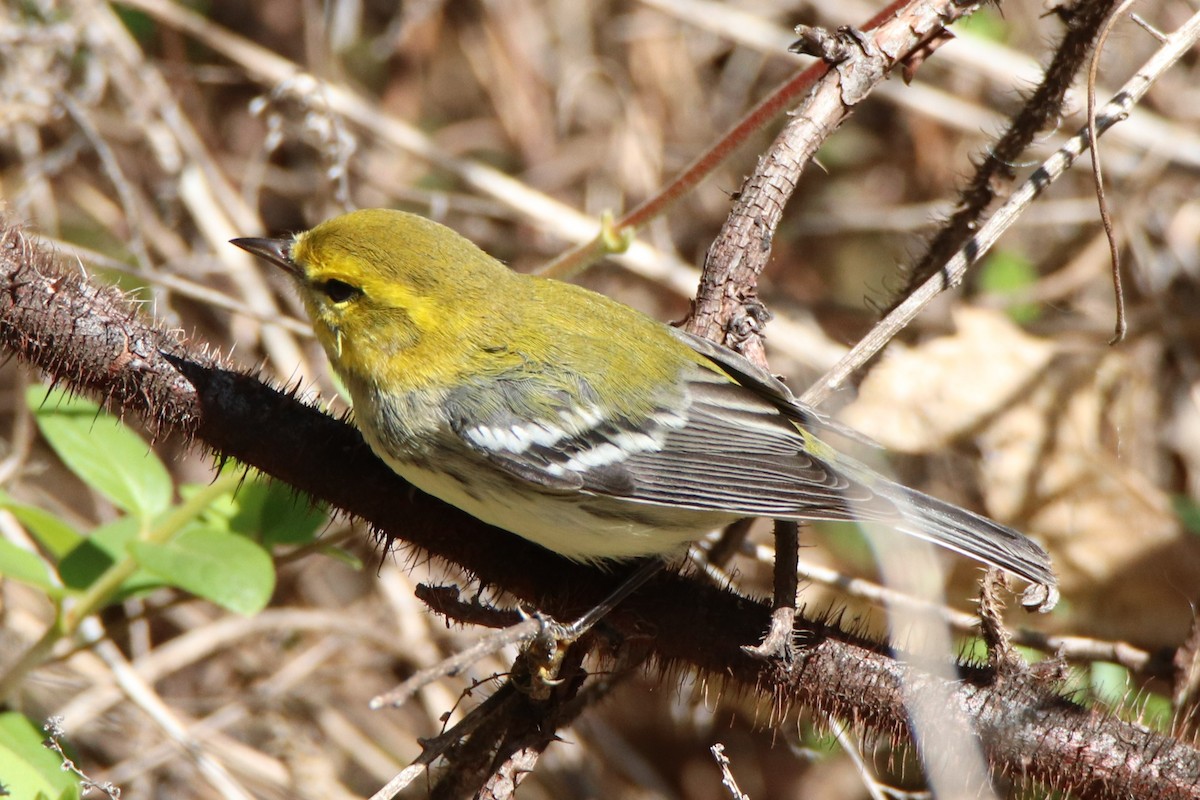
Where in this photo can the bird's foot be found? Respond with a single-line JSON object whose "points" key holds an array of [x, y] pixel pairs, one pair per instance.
{"points": [[778, 643]]}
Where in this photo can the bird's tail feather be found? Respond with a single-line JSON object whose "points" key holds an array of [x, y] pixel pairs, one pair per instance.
{"points": [[977, 537]]}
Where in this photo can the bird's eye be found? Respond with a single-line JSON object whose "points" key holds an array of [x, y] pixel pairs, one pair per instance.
{"points": [[338, 291]]}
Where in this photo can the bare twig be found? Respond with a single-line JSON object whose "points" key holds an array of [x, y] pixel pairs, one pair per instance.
{"points": [[852, 747], [456, 663], [546, 212], [727, 779], [576, 259], [1114, 250], [145, 698], [54, 735]]}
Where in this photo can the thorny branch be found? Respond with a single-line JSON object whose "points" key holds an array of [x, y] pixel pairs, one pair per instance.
{"points": [[91, 339], [1045, 104]]}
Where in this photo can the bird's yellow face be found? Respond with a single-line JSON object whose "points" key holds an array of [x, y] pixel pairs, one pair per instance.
{"points": [[385, 290], [359, 317]]}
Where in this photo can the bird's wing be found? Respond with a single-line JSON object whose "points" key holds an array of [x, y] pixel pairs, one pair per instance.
{"points": [[768, 387], [737, 452], [712, 445], [731, 445]]}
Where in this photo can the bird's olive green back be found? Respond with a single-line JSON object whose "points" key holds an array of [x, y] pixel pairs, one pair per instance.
{"points": [[434, 308]]}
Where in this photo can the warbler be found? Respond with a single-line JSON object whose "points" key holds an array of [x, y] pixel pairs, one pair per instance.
{"points": [[574, 421]]}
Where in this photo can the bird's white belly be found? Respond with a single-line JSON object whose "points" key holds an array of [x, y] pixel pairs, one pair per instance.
{"points": [[582, 527]]}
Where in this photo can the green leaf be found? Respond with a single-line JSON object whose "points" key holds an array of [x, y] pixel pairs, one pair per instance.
{"points": [[27, 769], [1077, 681], [228, 569], [288, 518], [974, 650], [52, 533], [1111, 685], [274, 513], [263, 510], [219, 510], [106, 455], [26, 567], [107, 545], [1006, 272], [1156, 711], [140, 24], [847, 542]]}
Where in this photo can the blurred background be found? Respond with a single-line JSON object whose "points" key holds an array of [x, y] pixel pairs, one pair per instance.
{"points": [[139, 137]]}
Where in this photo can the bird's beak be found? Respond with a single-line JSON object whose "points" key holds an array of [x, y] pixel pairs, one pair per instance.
{"points": [[276, 251]]}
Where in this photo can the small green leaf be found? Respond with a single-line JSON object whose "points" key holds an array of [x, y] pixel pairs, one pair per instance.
{"points": [[52, 533], [280, 515], [289, 518], [1156, 711], [106, 455], [219, 510], [228, 569], [984, 24], [265, 511], [26, 567], [847, 541], [140, 24], [1077, 681], [974, 650], [28, 768], [107, 545]]}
